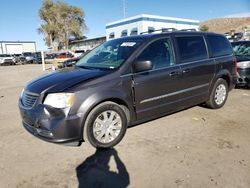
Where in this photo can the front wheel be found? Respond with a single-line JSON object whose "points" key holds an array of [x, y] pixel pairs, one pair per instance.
{"points": [[106, 125], [219, 94]]}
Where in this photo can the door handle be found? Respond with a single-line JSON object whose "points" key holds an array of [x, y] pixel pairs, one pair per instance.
{"points": [[175, 73], [186, 71]]}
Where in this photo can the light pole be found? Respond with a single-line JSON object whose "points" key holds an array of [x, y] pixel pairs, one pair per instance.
{"points": [[124, 8]]}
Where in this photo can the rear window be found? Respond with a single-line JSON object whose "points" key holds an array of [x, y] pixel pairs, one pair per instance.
{"points": [[219, 45], [192, 48]]}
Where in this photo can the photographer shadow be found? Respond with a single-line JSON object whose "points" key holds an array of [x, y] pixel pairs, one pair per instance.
{"points": [[95, 171]]}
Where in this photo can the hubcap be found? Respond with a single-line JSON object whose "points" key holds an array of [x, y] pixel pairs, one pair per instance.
{"points": [[107, 126], [220, 94]]}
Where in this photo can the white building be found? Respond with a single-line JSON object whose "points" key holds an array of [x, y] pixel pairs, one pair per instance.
{"points": [[17, 47], [86, 44], [147, 24]]}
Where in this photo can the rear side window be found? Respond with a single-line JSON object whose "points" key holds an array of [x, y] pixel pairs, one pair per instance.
{"points": [[192, 48], [219, 45]]}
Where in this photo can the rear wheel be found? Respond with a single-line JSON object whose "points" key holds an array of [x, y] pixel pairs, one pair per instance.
{"points": [[105, 125], [219, 94]]}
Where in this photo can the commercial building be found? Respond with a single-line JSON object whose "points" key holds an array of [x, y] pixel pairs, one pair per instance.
{"points": [[17, 47], [147, 24], [86, 44]]}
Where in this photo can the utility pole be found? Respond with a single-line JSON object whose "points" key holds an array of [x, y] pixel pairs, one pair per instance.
{"points": [[124, 8], [43, 61]]}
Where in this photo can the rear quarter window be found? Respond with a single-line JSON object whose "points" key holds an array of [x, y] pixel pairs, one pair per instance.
{"points": [[219, 46], [192, 48]]}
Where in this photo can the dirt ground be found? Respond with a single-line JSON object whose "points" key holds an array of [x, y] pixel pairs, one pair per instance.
{"points": [[197, 147]]}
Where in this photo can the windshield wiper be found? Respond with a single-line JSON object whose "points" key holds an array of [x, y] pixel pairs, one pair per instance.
{"points": [[86, 67]]}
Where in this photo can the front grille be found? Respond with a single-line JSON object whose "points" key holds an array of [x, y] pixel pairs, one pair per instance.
{"points": [[29, 99]]}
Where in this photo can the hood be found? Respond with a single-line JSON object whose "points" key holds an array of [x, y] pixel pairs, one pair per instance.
{"points": [[63, 79]]}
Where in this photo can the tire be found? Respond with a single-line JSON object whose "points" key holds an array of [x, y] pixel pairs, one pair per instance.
{"points": [[219, 94], [99, 134]]}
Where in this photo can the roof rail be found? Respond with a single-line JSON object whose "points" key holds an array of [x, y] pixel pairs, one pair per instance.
{"points": [[188, 29], [163, 30]]}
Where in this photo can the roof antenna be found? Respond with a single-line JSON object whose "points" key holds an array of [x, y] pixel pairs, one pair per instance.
{"points": [[124, 8]]}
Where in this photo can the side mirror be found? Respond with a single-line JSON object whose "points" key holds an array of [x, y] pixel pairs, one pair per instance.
{"points": [[141, 66]]}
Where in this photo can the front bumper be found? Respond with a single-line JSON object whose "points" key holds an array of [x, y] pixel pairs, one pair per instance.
{"points": [[243, 77], [52, 125], [7, 62]]}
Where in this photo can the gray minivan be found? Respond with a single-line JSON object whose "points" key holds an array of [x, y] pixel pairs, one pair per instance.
{"points": [[128, 81]]}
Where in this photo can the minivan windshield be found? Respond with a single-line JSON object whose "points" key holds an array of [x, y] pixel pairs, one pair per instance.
{"points": [[110, 55], [242, 50]]}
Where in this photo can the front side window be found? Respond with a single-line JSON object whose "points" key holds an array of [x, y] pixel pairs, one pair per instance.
{"points": [[110, 55], [192, 48], [219, 45], [160, 53]]}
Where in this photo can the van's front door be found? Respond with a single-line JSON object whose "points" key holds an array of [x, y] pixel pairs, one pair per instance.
{"points": [[156, 91]]}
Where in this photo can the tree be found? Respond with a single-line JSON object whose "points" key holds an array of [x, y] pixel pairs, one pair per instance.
{"points": [[204, 28], [60, 22], [71, 21], [48, 27]]}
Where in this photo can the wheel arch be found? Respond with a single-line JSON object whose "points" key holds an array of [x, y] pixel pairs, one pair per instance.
{"points": [[92, 101], [224, 74]]}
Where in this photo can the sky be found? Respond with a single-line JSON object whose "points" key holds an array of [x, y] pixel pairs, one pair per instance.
{"points": [[19, 19]]}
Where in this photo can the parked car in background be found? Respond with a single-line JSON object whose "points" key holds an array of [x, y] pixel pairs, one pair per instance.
{"points": [[242, 53], [233, 36], [71, 62], [16, 58], [27, 58], [127, 81], [37, 58], [78, 53], [6, 59], [64, 55], [50, 56], [60, 58]]}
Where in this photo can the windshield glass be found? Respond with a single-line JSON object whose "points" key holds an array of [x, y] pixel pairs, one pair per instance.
{"points": [[242, 50], [27, 54], [6, 55], [110, 55]]}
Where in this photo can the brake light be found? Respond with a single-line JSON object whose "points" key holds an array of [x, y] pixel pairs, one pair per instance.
{"points": [[235, 66]]}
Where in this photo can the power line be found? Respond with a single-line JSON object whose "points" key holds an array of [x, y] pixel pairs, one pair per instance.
{"points": [[124, 8]]}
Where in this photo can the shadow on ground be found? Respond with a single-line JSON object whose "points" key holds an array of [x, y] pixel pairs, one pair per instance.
{"points": [[95, 171]]}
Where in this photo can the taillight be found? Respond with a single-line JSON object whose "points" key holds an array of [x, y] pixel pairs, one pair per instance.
{"points": [[235, 66]]}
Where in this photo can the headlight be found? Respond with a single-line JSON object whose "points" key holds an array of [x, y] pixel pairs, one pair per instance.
{"points": [[59, 100], [244, 64]]}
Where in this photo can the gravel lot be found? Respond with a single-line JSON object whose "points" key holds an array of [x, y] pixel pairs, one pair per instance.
{"points": [[197, 147]]}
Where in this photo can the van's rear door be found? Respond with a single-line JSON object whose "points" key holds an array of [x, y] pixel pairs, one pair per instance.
{"points": [[197, 69]]}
